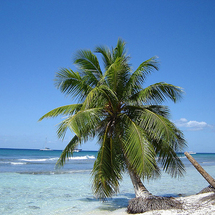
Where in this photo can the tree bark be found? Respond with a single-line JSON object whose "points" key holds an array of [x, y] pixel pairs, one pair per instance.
{"points": [[207, 177], [139, 189]]}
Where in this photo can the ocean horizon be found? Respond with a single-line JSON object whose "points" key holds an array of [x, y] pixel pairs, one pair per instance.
{"points": [[40, 149], [31, 184]]}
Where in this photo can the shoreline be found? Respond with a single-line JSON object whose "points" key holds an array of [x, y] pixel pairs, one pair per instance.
{"points": [[198, 204]]}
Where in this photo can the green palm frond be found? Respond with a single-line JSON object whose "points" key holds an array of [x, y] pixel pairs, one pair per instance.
{"points": [[108, 94], [89, 65], [108, 167], [92, 99], [71, 83], [169, 159], [137, 148], [158, 93], [106, 55], [99, 97], [158, 109], [119, 51], [144, 69], [166, 138], [62, 128], [177, 141], [136, 112], [63, 110], [68, 151], [157, 126], [83, 123], [137, 78], [114, 75]]}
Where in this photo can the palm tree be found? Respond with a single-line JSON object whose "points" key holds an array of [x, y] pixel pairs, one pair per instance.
{"points": [[130, 122]]}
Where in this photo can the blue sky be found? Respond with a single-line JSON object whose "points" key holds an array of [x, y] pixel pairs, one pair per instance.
{"points": [[39, 37]]}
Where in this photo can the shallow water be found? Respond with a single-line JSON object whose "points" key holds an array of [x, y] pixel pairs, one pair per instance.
{"points": [[30, 184]]}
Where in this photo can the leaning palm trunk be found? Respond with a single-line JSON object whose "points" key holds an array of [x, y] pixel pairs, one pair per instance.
{"points": [[145, 201], [139, 189], [207, 177]]}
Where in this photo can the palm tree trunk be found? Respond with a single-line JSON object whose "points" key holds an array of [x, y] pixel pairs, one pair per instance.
{"points": [[207, 177], [139, 189]]}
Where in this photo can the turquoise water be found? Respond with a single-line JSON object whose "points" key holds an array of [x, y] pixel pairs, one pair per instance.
{"points": [[30, 184]]}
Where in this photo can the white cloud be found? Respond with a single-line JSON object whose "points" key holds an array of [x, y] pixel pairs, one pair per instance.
{"points": [[192, 125]]}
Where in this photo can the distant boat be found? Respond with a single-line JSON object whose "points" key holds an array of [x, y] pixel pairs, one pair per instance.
{"points": [[192, 153], [77, 150], [46, 148]]}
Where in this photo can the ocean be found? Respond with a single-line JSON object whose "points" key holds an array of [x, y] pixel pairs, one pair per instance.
{"points": [[30, 184]]}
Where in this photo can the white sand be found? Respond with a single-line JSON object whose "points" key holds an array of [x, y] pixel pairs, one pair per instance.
{"points": [[195, 204]]}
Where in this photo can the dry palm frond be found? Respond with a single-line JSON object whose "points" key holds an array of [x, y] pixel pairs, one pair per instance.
{"points": [[141, 205]]}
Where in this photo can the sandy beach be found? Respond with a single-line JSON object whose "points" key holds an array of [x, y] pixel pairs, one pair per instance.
{"points": [[200, 204]]}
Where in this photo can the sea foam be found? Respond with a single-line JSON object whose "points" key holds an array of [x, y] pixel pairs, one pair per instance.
{"points": [[17, 163], [82, 157], [38, 160]]}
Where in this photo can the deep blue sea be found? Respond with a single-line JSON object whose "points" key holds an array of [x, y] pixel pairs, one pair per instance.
{"points": [[30, 183]]}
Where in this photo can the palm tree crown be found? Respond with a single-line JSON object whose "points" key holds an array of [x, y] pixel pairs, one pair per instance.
{"points": [[131, 124]]}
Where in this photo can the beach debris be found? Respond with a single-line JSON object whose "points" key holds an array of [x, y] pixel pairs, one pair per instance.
{"points": [[141, 204], [209, 198], [199, 168], [207, 190]]}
